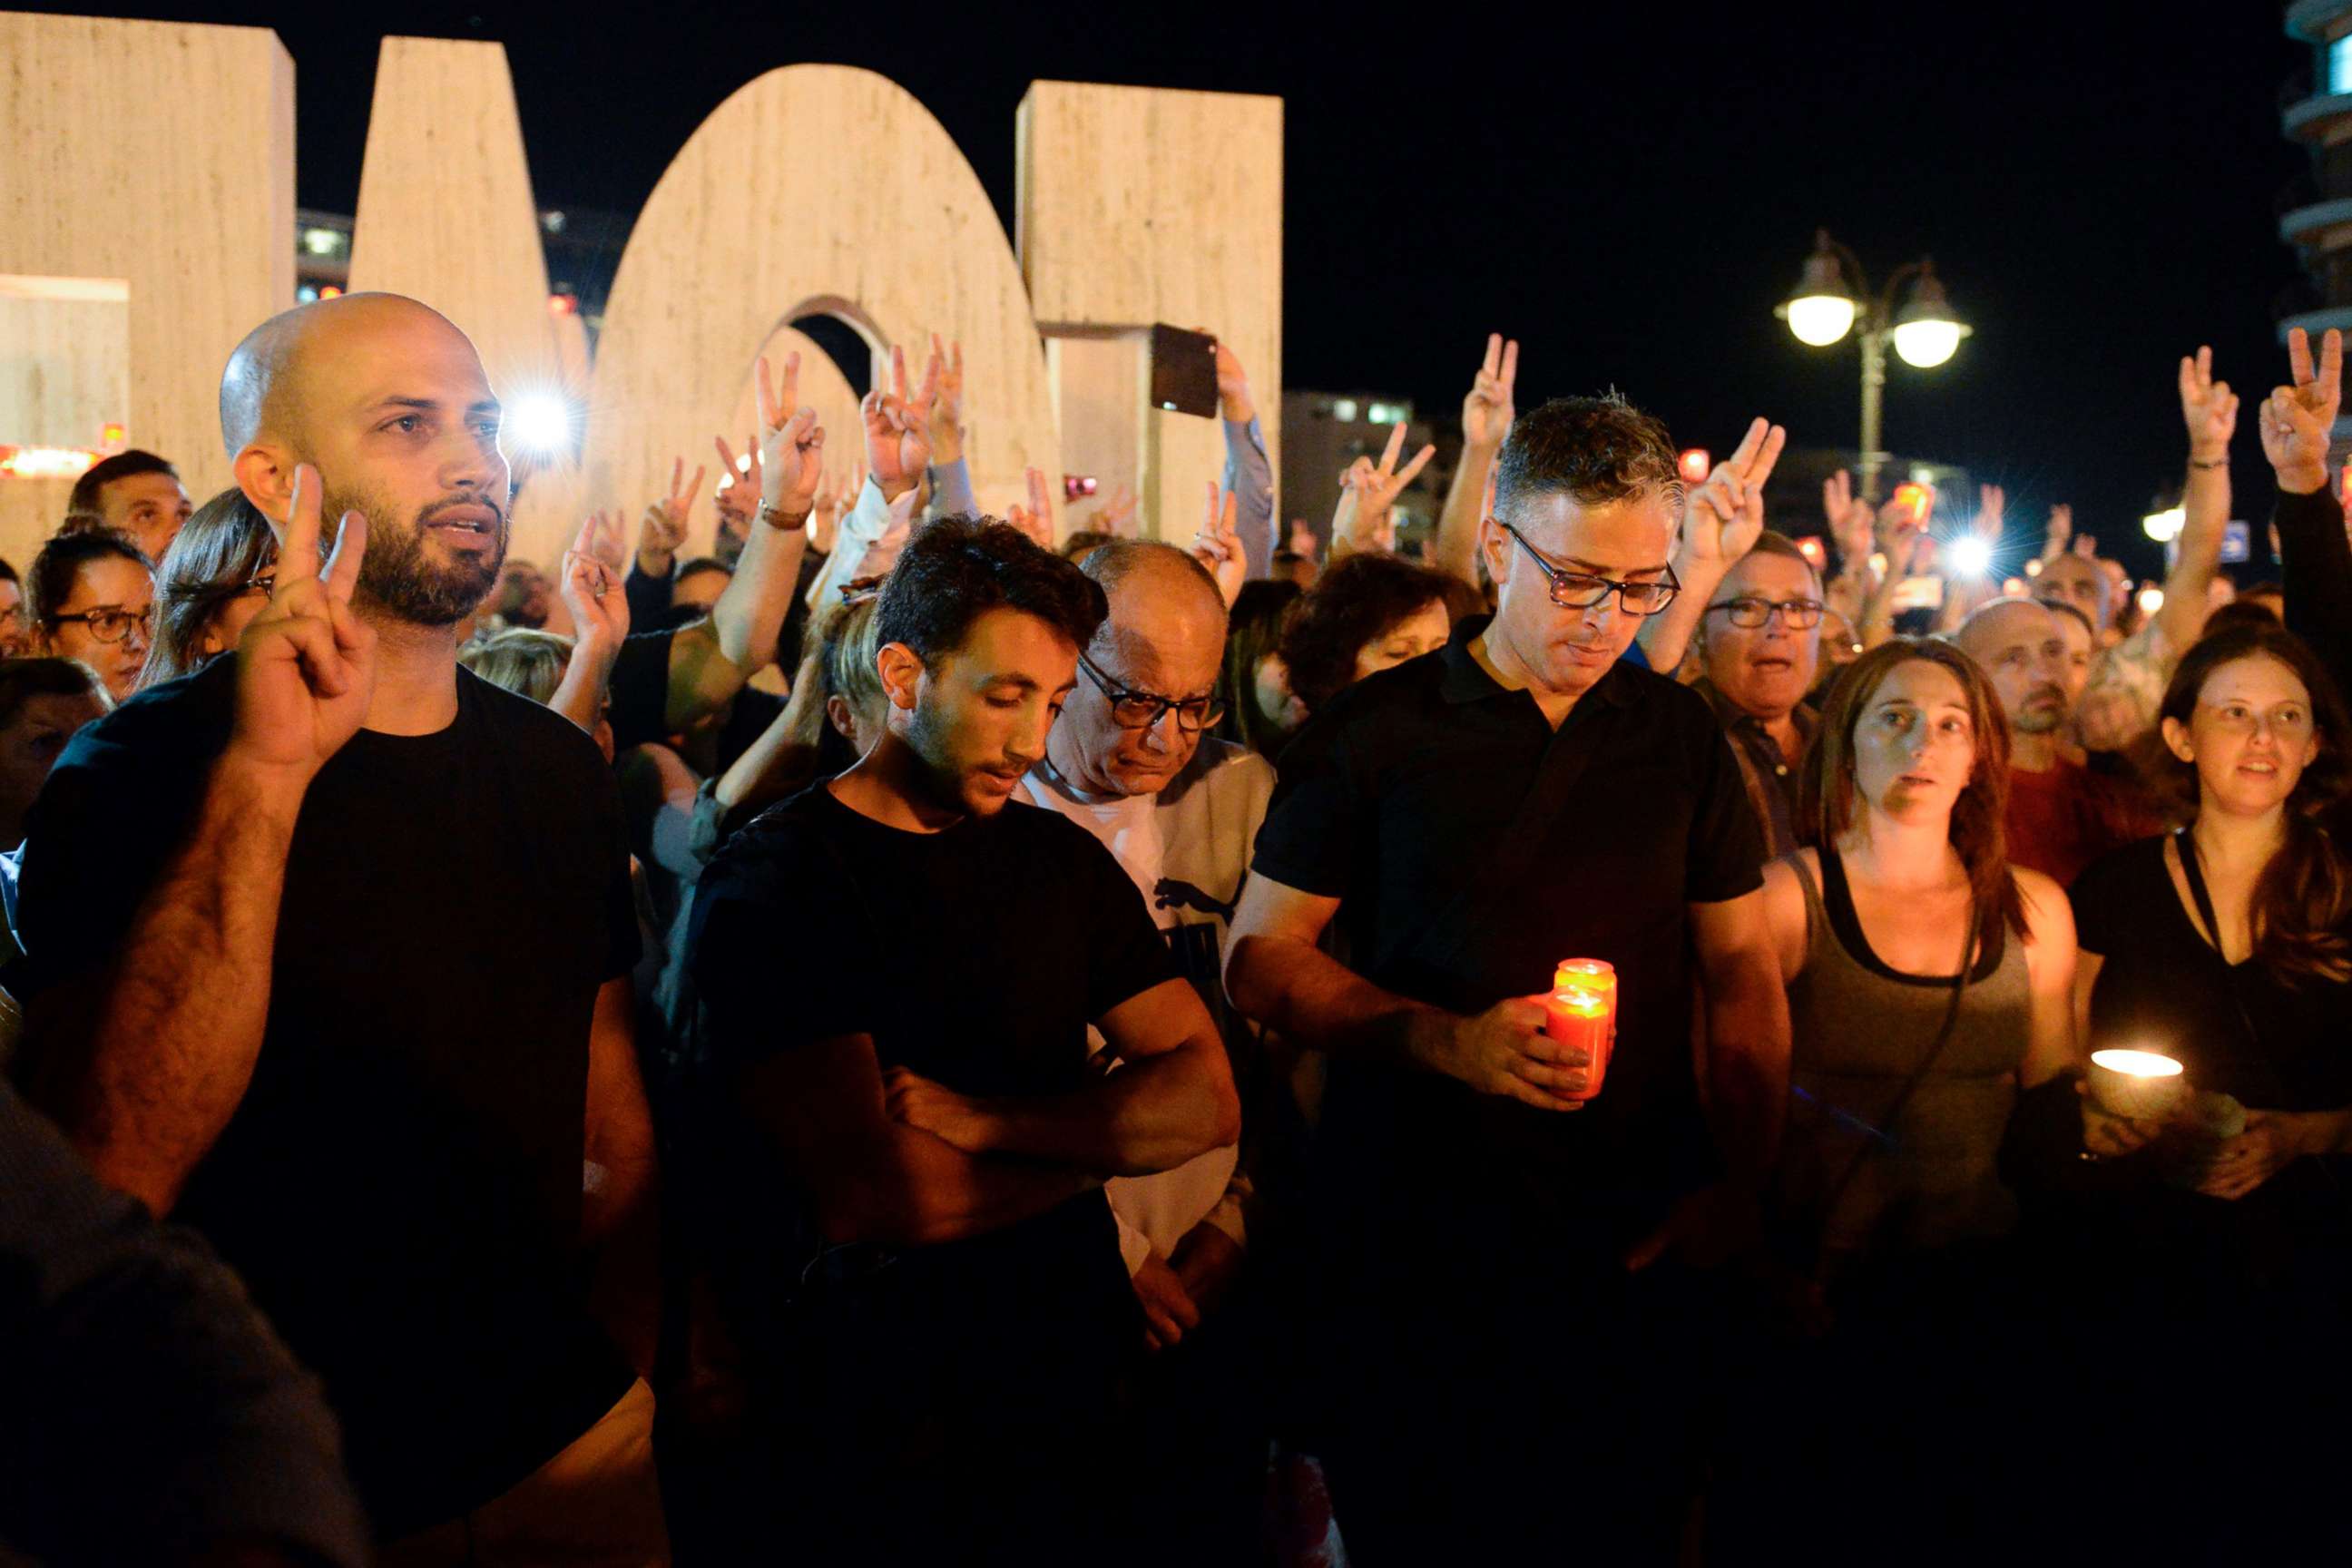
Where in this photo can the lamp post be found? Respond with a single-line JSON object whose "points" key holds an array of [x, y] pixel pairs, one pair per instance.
{"points": [[1833, 296]]}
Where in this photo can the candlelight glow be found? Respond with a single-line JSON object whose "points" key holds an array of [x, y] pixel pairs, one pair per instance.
{"points": [[2137, 1063]]}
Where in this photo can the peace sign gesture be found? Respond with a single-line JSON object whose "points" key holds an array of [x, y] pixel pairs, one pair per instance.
{"points": [[899, 426], [1036, 518], [1723, 518], [2296, 420], [1486, 411], [791, 445], [1849, 518], [306, 664], [661, 535], [1218, 545], [946, 427], [2209, 407], [591, 581], [1368, 490]]}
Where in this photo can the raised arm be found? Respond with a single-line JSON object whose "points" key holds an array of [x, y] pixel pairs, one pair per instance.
{"points": [[600, 618], [2295, 421], [750, 616], [1487, 413], [2210, 409], [1249, 472], [175, 1027], [952, 494], [1721, 521]]}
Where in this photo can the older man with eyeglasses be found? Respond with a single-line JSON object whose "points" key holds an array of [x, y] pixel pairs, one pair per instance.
{"points": [[1760, 643], [1489, 1330], [1129, 761]]}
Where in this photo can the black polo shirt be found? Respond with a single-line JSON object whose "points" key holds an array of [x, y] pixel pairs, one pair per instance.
{"points": [[1471, 847]]}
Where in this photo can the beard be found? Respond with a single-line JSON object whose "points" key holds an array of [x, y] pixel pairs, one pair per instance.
{"points": [[2032, 720], [402, 576]]}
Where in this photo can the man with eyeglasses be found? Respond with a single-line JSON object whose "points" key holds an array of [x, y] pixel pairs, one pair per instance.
{"points": [[93, 598], [1503, 1313], [1760, 642], [1128, 762]]}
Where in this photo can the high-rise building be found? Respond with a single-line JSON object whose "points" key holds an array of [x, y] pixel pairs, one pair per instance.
{"points": [[2318, 114]]}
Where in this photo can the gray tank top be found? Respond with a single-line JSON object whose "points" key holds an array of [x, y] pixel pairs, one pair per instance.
{"points": [[1859, 1030]]}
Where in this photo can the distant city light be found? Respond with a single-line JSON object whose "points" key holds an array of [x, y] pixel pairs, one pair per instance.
{"points": [[2150, 601], [2164, 527], [1344, 410], [1696, 464]]}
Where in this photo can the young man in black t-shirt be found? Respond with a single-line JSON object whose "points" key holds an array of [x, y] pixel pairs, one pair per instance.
{"points": [[401, 1106], [895, 972]]}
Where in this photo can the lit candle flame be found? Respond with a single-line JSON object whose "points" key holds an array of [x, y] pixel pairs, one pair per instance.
{"points": [[2137, 1063]]}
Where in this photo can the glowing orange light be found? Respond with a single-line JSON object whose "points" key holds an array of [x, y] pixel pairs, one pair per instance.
{"points": [[1917, 500], [1696, 465], [113, 435], [328, 291], [45, 462], [1811, 549], [563, 304]]}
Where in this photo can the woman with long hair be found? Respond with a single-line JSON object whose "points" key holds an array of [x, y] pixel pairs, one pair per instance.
{"points": [[1929, 984], [2227, 946], [216, 576]]}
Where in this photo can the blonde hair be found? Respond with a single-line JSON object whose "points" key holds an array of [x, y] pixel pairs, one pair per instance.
{"points": [[526, 662]]}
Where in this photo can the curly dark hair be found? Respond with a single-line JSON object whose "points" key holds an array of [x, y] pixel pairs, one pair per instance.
{"points": [[956, 570], [1351, 604], [2303, 898], [1597, 450]]}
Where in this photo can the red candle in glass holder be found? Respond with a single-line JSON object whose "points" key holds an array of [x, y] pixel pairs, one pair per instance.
{"points": [[1581, 1011]]}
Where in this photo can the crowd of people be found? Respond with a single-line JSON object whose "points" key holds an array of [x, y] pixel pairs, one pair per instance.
{"points": [[926, 1035]]}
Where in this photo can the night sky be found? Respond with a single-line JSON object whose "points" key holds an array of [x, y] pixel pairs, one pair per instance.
{"points": [[1629, 189]]}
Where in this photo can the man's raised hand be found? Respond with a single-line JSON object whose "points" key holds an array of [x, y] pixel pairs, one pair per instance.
{"points": [[662, 532], [1992, 506], [2296, 420], [1036, 518], [1368, 490], [1234, 400], [1218, 545], [791, 444], [897, 427], [1849, 519], [591, 581], [2208, 408], [306, 664], [947, 408], [1723, 517], [1487, 410]]}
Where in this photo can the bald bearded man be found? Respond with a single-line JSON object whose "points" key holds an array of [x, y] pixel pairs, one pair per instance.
{"points": [[440, 1110]]}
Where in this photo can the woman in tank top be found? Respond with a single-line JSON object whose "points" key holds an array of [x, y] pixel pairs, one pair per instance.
{"points": [[1928, 982], [1897, 1115]]}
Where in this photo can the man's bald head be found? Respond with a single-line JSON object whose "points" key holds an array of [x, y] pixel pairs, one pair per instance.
{"points": [[2018, 644], [1150, 585], [265, 388]]}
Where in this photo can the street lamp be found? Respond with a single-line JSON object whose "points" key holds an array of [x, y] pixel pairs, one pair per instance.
{"points": [[1833, 294]]}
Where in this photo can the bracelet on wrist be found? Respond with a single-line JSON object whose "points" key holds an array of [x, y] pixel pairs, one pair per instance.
{"points": [[777, 517], [2220, 462]]}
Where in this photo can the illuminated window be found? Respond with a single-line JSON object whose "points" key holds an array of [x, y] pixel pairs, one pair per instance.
{"points": [[325, 241], [2339, 65], [1343, 409]]}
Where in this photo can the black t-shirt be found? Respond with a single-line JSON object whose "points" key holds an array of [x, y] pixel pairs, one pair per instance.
{"points": [[640, 688], [976, 956], [399, 1185], [1473, 849]]}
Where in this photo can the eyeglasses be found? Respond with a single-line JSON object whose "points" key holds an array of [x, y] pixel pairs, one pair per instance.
{"points": [[1583, 591], [1797, 614], [264, 583], [109, 624], [1131, 710]]}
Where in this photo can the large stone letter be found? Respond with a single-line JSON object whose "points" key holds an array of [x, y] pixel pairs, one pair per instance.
{"points": [[162, 155], [813, 189], [1141, 205]]}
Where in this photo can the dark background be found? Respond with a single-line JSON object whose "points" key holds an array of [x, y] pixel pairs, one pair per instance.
{"points": [[1628, 190]]}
